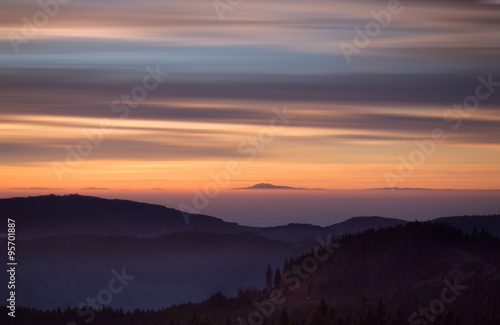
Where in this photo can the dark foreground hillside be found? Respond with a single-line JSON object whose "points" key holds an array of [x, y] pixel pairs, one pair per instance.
{"points": [[419, 273], [65, 270]]}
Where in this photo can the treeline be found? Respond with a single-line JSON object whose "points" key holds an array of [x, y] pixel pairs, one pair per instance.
{"points": [[364, 313], [378, 277], [374, 260], [408, 266]]}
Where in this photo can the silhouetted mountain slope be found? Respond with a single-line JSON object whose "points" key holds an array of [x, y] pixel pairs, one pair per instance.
{"points": [[297, 233], [358, 224], [467, 224], [53, 215], [405, 268], [175, 268], [304, 235]]}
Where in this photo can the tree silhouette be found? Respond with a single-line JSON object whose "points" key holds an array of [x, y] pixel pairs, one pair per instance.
{"points": [[381, 313], [283, 318], [450, 318], [277, 278], [319, 316], [487, 313], [269, 277]]}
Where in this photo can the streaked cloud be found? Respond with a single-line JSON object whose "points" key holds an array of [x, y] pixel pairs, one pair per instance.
{"points": [[92, 188], [352, 120], [36, 188]]}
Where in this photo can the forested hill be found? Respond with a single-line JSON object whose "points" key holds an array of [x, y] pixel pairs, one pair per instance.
{"points": [[54, 215], [419, 273]]}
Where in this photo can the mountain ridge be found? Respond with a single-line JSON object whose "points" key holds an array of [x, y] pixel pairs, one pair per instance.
{"points": [[73, 214], [269, 186]]}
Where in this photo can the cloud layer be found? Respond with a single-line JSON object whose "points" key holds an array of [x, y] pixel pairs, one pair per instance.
{"points": [[353, 120]]}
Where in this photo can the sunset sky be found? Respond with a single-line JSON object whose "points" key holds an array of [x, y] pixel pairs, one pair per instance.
{"points": [[223, 82]]}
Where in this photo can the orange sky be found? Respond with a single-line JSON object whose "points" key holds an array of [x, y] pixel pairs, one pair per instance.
{"points": [[221, 84]]}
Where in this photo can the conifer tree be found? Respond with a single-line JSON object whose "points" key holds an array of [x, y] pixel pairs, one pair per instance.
{"points": [[277, 279], [283, 318], [269, 277], [381, 314]]}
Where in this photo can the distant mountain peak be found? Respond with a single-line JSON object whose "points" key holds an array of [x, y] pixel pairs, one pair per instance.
{"points": [[269, 186]]}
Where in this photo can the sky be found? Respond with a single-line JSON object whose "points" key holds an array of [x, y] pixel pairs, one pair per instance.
{"points": [[118, 97]]}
